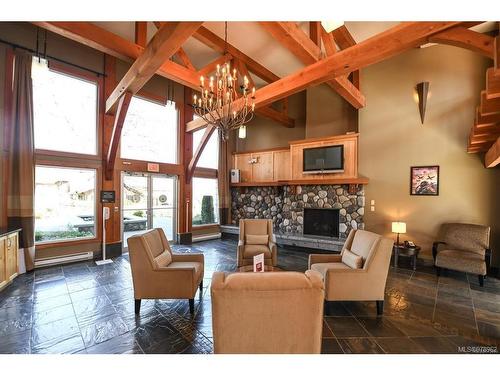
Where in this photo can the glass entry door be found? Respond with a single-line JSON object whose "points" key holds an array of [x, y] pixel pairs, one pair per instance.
{"points": [[148, 201]]}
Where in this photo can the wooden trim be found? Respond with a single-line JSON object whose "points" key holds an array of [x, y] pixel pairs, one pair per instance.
{"points": [[464, 38], [205, 172], [484, 120], [328, 42], [325, 139], [130, 165], [167, 40], [54, 244], [123, 104], [141, 33], [492, 157], [185, 211], [205, 226], [330, 181], [263, 150]]}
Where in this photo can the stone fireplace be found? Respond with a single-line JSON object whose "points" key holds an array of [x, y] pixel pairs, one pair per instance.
{"points": [[285, 206]]}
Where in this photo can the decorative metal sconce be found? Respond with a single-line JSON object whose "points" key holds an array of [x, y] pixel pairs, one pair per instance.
{"points": [[422, 89]]}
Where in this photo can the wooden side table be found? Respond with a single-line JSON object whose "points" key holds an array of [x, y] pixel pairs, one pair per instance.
{"points": [[411, 252]]}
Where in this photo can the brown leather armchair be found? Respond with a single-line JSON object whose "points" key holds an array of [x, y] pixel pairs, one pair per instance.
{"points": [[367, 283], [256, 237], [464, 247], [270, 312], [157, 273]]}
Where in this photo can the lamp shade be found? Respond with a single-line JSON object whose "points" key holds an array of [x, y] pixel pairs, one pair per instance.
{"points": [[398, 227]]}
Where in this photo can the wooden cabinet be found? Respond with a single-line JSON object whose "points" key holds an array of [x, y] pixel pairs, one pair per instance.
{"points": [[9, 249], [261, 166], [281, 165]]}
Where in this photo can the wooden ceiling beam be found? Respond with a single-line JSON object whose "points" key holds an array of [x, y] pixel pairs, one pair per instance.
{"points": [[141, 33], [380, 47], [343, 37], [167, 41], [486, 119], [462, 37], [328, 42], [107, 42], [492, 84], [299, 43], [496, 55], [210, 67], [186, 61], [199, 150], [489, 106], [492, 157], [315, 32], [123, 104]]}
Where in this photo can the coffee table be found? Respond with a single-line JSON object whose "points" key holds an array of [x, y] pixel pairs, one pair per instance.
{"points": [[249, 268]]}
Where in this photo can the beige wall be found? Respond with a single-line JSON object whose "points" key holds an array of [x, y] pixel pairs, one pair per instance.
{"points": [[392, 139], [328, 113], [263, 133]]}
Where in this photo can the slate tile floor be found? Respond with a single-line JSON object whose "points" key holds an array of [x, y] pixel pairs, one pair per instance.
{"points": [[84, 308]]}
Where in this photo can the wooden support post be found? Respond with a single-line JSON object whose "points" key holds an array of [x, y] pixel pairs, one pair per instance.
{"points": [[116, 134], [141, 33], [196, 156], [315, 32]]}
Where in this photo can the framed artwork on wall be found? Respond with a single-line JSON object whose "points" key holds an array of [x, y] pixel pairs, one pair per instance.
{"points": [[424, 180]]}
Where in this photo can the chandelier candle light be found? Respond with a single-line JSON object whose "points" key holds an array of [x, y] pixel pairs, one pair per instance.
{"points": [[221, 105]]}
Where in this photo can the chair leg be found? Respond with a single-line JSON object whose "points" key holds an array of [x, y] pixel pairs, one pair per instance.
{"points": [[191, 306], [481, 280], [201, 287], [438, 271], [380, 307], [137, 306]]}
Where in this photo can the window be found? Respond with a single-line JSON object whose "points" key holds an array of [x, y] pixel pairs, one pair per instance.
{"points": [[150, 132], [205, 201], [64, 203], [64, 111], [210, 155]]}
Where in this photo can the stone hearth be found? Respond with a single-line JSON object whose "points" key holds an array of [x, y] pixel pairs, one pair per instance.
{"points": [[285, 205]]}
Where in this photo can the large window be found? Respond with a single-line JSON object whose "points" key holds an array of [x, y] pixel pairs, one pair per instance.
{"points": [[210, 156], [65, 111], [64, 203], [205, 201], [150, 132]]}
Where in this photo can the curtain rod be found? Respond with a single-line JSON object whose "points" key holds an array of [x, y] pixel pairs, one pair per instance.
{"points": [[33, 52]]}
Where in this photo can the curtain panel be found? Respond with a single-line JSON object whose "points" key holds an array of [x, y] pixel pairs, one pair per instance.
{"points": [[21, 183]]}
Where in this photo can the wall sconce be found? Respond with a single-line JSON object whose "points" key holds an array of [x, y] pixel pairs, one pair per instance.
{"points": [[422, 89]]}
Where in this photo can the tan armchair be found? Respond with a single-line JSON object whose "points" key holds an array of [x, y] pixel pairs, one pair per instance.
{"points": [[158, 273], [271, 312], [256, 237], [464, 247], [343, 283]]}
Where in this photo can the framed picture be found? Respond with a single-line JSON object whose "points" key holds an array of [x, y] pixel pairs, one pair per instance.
{"points": [[424, 180]]}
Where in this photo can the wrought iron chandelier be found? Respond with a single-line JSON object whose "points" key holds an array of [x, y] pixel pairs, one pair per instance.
{"points": [[222, 102]]}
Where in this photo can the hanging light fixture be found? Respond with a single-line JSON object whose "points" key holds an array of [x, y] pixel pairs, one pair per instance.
{"points": [[222, 102], [242, 132]]}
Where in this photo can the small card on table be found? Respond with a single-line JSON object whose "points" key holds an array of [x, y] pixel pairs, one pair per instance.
{"points": [[258, 263]]}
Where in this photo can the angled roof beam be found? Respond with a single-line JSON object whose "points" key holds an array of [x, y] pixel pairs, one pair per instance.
{"points": [[141, 33], [107, 42], [210, 67], [378, 48], [344, 39], [496, 55], [462, 37], [299, 43], [162, 46], [492, 157], [186, 61]]}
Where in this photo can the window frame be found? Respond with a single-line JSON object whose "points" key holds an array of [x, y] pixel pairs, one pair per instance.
{"points": [[82, 75], [63, 159]]}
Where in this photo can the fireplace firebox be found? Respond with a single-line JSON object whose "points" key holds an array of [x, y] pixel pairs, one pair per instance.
{"points": [[321, 222]]}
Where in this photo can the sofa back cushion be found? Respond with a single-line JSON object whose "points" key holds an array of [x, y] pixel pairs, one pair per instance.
{"points": [[466, 237], [256, 239], [352, 260], [363, 242], [256, 226]]}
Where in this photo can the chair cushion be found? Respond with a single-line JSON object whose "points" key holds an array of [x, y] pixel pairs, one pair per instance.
{"points": [[460, 260], [363, 242], [256, 239], [251, 250], [164, 259], [351, 259], [195, 266], [323, 268]]}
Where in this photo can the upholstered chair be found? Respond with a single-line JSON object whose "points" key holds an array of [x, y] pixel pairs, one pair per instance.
{"points": [[256, 237], [270, 312], [463, 247], [359, 272], [157, 273]]}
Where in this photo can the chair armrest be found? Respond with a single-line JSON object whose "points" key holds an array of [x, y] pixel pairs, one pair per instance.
{"points": [[324, 258], [241, 243], [189, 257], [272, 245], [435, 248]]}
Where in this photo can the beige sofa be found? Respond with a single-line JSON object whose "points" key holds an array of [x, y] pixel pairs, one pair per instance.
{"points": [[464, 247], [343, 283], [256, 237], [271, 312], [158, 273]]}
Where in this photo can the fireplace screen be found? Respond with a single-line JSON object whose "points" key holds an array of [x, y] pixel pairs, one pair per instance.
{"points": [[321, 222]]}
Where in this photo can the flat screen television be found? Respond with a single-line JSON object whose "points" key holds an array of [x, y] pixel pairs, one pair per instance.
{"points": [[328, 159]]}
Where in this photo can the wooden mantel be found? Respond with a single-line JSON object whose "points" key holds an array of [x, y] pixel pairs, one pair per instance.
{"points": [[283, 166]]}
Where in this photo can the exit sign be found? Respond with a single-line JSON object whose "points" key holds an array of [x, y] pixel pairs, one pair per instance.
{"points": [[153, 167]]}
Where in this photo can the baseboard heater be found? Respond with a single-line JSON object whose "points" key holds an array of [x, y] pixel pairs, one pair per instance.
{"points": [[52, 261], [206, 237]]}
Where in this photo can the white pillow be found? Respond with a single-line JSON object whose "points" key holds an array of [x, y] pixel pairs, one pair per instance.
{"points": [[352, 260]]}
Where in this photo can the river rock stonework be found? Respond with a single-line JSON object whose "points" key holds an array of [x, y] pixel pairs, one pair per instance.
{"points": [[285, 205]]}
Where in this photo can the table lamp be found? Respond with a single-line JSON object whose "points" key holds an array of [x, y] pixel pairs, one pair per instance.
{"points": [[398, 227]]}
